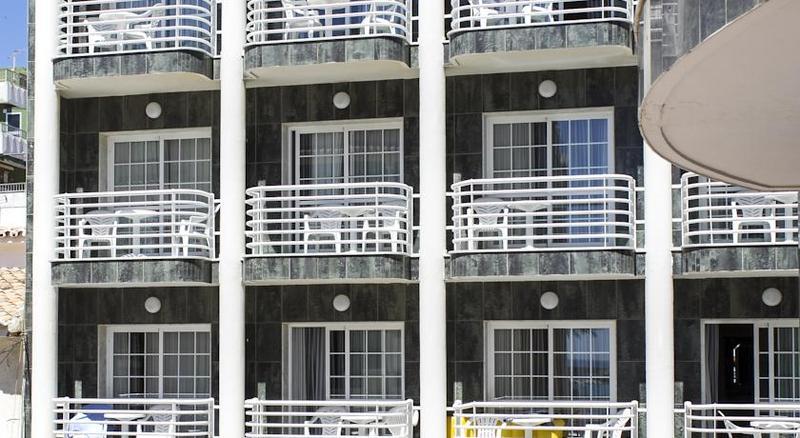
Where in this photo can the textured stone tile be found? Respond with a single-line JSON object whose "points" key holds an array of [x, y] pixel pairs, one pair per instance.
{"points": [[331, 51], [523, 264], [581, 35], [554, 263]]}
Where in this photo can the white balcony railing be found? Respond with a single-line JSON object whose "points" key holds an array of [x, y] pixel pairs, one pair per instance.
{"points": [[278, 21], [157, 418], [482, 14], [89, 27], [544, 213], [355, 218], [329, 419], [144, 223], [719, 214], [560, 418], [13, 88], [756, 420]]}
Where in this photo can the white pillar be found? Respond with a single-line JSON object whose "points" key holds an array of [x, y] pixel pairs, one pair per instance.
{"points": [[432, 169], [232, 215], [44, 360], [658, 277]]}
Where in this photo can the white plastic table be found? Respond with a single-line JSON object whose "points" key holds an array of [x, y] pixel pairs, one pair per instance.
{"points": [[131, 417], [775, 425], [136, 216], [364, 420], [530, 422]]}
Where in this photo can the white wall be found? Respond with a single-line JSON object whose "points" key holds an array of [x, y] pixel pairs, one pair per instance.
{"points": [[10, 387]]}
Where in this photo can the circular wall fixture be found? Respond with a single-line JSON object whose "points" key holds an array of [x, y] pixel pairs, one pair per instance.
{"points": [[547, 88], [341, 100], [152, 305], [341, 303], [771, 296], [549, 300], [153, 110]]}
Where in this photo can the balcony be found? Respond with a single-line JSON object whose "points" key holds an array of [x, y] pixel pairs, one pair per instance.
{"points": [[364, 39], [329, 419], [758, 420], [13, 88], [543, 227], [14, 141], [141, 237], [329, 231], [105, 44], [727, 229], [76, 417], [521, 35], [543, 418]]}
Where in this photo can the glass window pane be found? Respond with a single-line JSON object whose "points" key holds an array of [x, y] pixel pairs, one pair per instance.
{"points": [[120, 342], [358, 340], [122, 152], [375, 340], [502, 135], [393, 341], [138, 152]]}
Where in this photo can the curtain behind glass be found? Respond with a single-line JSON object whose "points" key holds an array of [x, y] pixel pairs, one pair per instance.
{"points": [[712, 363], [308, 363]]}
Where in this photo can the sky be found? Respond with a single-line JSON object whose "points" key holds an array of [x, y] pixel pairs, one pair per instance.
{"points": [[13, 33]]}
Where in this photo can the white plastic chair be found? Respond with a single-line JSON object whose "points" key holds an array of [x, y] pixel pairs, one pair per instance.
{"points": [[486, 427], [158, 429], [396, 425], [482, 13], [102, 34], [330, 423], [300, 16], [491, 217], [323, 223], [82, 426], [538, 10], [389, 221], [729, 425], [100, 228], [144, 30], [616, 423], [753, 210], [376, 20], [191, 228]]}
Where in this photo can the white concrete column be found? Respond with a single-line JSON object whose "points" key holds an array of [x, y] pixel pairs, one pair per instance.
{"points": [[232, 216], [658, 277], [432, 169], [44, 360]]}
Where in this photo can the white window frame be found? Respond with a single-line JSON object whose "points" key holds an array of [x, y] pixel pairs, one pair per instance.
{"points": [[346, 326], [550, 326], [107, 140], [291, 163], [107, 351], [769, 323], [543, 116]]}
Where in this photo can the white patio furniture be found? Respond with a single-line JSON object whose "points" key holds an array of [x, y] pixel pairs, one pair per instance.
{"points": [[612, 428], [730, 426], [487, 215], [397, 425], [102, 34], [753, 210], [88, 424], [323, 222], [145, 30], [389, 221], [299, 15], [381, 20], [530, 422], [329, 419], [486, 426], [163, 424], [538, 12], [97, 226], [138, 218], [192, 228], [482, 11]]}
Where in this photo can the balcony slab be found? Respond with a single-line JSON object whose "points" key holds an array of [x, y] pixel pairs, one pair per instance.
{"points": [[134, 73], [354, 59], [561, 46], [330, 269], [739, 261], [532, 266], [134, 273]]}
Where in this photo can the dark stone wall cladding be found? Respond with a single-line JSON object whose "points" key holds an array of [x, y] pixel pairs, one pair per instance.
{"points": [[468, 97], [133, 64], [268, 308], [81, 311], [561, 36], [470, 305], [720, 298], [82, 121], [680, 25], [312, 53]]}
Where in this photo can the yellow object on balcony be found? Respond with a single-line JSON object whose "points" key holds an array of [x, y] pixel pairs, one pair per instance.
{"points": [[516, 433]]}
